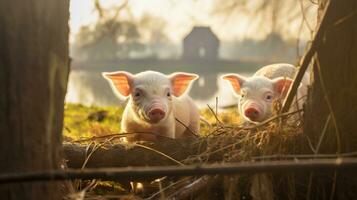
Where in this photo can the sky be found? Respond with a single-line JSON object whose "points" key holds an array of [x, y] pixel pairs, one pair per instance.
{"points": [[181, 16]]}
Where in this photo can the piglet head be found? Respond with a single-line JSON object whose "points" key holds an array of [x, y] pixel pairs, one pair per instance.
{"points": [[256, 94], [150, 93]]}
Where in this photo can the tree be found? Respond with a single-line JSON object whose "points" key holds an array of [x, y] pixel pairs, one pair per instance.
{"points": [[109, 40], [34, 66], [334, 88], [111, 37], [331, 110], [269, 16]]}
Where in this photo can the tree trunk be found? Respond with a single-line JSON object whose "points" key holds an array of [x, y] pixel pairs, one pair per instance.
{"points": [[34, 68], [331, 109], [336, 62]]}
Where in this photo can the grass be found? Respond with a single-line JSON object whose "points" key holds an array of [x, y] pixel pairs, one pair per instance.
{"points": [[82, 121]]}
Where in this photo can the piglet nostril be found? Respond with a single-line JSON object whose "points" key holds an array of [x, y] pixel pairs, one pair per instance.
{"points": [[251, 113], [156, 114]]}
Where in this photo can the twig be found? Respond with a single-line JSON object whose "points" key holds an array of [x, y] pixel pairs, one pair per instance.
{"points": [[129, 173], [217, 106], [323, 133], [310, 144], [345, 18], [305, 156], [333, 189], [168, 187], [207, 154], [117, 135], [329, 105], [304, 16], [160, 153], [214, 114], [191, 131], [309, 187], [298, 39], [95, 148]]}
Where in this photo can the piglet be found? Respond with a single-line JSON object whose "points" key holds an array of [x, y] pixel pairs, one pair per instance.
{"points": [[158, 104], [257, 93]]}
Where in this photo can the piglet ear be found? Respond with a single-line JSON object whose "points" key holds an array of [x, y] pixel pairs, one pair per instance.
{"points": [[282, 85], [120, 81], [181, 81], [235, 80]]}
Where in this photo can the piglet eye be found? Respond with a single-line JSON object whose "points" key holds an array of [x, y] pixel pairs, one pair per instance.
{"points": [[242, 95], [269, 97], [137, 93], [168, 94]]}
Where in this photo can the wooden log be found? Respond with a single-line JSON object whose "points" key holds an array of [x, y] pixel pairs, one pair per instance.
{"points": [[340, 165], [34, 69], [165, 152]]}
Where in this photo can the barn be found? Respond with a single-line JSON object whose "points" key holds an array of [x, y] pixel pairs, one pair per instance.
{"points": [[201, 44]]}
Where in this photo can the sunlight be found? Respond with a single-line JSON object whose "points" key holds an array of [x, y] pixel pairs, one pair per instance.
{"points": [[181, 16]]}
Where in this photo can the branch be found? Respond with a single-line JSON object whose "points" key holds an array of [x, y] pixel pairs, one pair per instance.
{"points": [[137, 173], [306, 60]]}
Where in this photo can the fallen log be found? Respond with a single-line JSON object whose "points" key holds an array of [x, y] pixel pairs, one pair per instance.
{"points": [[165, 152]]}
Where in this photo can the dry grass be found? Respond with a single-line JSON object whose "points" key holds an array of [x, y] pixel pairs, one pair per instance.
{"points": [[279, 138], [225, 138]]}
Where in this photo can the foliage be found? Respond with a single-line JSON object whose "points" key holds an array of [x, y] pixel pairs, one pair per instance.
{"points": [[117, 37], [274, 15], [110, 39]]}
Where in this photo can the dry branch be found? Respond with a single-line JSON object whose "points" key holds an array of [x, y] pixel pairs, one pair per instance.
{"points": [[136, 173], [306, 61]]}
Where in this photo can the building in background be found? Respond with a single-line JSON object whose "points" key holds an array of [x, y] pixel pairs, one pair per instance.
{"points": [[201, 44]]}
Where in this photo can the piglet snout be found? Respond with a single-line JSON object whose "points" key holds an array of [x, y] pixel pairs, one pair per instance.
{"points": [[252, 113], [156, 114]]}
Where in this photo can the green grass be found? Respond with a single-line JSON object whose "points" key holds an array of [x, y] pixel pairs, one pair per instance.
{"points": [[82, 121]]}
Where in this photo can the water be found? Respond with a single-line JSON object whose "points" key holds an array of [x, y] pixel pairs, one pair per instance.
{"points": [[90, 88]]}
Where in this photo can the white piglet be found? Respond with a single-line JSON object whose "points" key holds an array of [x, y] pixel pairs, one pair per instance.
{"points": [[158, 104], [257, 93]]}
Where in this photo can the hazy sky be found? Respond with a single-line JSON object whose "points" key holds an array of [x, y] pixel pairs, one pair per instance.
{"points": [[181, 16]]}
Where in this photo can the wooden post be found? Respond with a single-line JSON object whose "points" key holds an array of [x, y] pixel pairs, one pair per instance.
{"points": [[335, 82], [331, 110], [34, 66]]}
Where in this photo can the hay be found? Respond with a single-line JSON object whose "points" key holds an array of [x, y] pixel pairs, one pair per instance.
{"points": [[279, 138], [232, 143]]}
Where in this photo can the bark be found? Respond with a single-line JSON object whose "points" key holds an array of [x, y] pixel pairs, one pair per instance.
{"points": [[34, 67], [122, 156], [337, 85], [331, 109]]}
